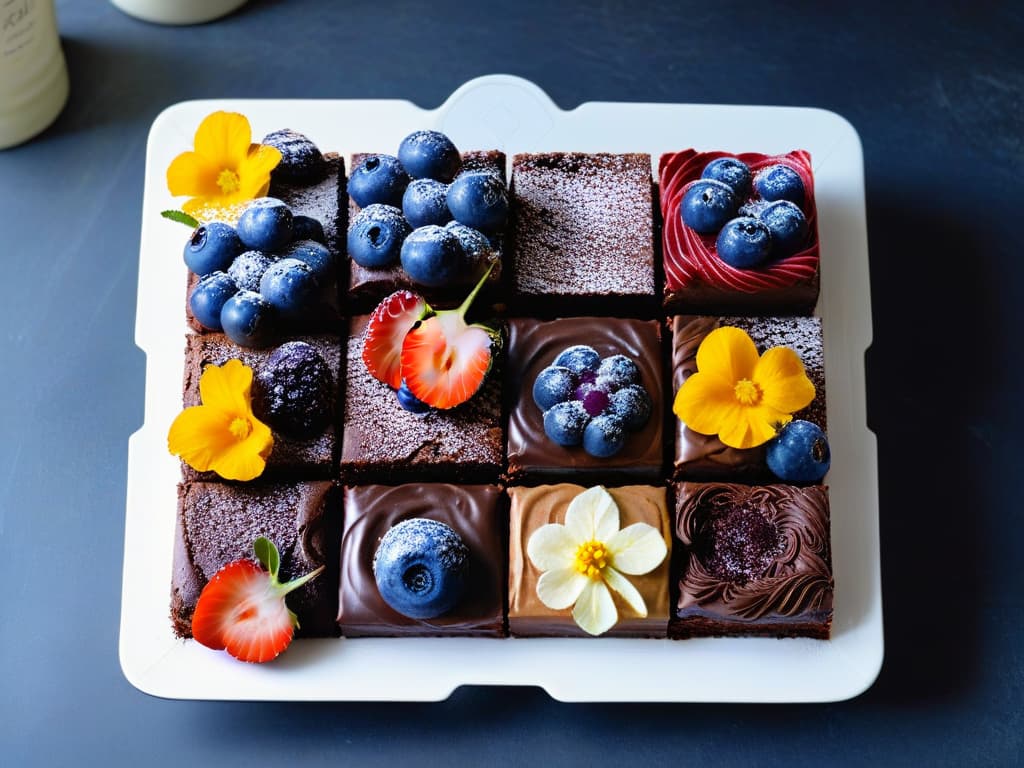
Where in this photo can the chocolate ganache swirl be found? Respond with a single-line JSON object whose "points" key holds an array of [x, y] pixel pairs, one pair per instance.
{"points": [[755, 552], [691, 257]]}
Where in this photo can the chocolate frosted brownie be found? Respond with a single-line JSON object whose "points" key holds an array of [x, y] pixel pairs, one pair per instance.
{"points": [[217, 524], [705, 457], [384, 443], [367, 286], [473, 511], [583, 234], [756, 561], [291, 457]]}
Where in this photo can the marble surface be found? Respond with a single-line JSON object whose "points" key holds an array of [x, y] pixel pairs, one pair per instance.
{"points": [[936, 93]]}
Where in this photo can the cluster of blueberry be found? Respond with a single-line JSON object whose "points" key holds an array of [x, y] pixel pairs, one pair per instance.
{"points": [[293, 391], [418, 210], [590, 401], [269, 271], [770, 226]]}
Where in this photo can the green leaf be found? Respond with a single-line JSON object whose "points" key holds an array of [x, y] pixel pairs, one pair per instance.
{"points": [[181, 217], [267, 554]]}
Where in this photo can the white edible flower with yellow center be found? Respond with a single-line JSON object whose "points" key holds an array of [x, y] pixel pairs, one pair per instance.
{"points": [[580, 560]]}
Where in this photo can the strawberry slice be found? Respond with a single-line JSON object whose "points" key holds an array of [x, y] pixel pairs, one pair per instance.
{"points": [[242, 608], [444, 360], [389, 323]]}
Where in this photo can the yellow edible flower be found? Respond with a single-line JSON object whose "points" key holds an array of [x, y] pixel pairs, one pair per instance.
{"points": [[581, 560], [222, 435], [225, 168], [740, 396]]}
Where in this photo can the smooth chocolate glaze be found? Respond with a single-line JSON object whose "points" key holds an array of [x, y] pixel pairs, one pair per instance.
{"points": [[290, 458], [782, 588], [705, 457], [533, 345], [217, 524], [474, 511], [366, 287], [533, 507]]}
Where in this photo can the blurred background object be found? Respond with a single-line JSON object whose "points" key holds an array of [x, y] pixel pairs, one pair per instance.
{"points": [[178, 11]]}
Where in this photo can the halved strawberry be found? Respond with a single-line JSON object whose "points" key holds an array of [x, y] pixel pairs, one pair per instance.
{"points": [[242, 608], [445, 360], [389, 323]]}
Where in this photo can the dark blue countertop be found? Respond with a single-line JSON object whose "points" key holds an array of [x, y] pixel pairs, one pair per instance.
{"points": [[936, 92]]}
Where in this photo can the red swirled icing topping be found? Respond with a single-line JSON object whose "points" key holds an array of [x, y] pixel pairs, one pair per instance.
{"points": [[691, 257]]}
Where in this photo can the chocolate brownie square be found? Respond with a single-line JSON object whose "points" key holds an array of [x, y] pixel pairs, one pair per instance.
{"points": [[755, 561], [534, 507], [384, 443], [705, 457], [291, 457], [366, 287], [583, 234], [698, 280], [533, 346], [474, 512], [217, 524]]}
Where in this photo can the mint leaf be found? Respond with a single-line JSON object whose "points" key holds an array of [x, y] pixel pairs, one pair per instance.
{"points": [[181, 217], [267, 554]]}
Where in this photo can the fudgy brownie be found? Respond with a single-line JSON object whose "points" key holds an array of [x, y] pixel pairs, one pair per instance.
{"points": [[756, 561], [583, 235], [291, 457], [697, 280], [217, 524], [366, 287], [705, 457], [534, 345], [533, 507], [384, 443], [473, 511]]}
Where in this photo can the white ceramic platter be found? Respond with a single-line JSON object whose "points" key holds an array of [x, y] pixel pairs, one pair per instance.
{"points": [[514, 115]]}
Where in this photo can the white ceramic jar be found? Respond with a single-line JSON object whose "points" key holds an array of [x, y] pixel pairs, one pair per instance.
{"points": [[33, 75], [177, 11]]}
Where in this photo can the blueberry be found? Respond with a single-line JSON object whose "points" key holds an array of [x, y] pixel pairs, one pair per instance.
{"points": [[555, 384], [779, 182], [604, 436], [301, 159], [564, 423], [578, 359], [788, 226], [209, 297], [744, 243], [293, 391], [317, 255], [431, 256], [734, 173], [754, 208], [424, 202], [476, 248], [409, 401], [633, 405], [308, 228], [376, 235], [248, 319], [247, 269], [616, 372], [706, 205], [266, 225], [799, 453], [378, 179], [291, 287], [429, 155], [479, 200], [420, 567], [212, 248]]}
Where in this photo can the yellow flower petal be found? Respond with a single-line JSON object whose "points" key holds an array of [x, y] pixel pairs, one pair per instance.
{"points": [[551, 547], [192, 174], [784, 385], [626, 590], [592, 516], [727, 352], [560, 588], [706, 402], [199, 435], [227, 387], [245, 459], [254, 171], [637, 549], [752, 427], [595, 611], [223, 138]]}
